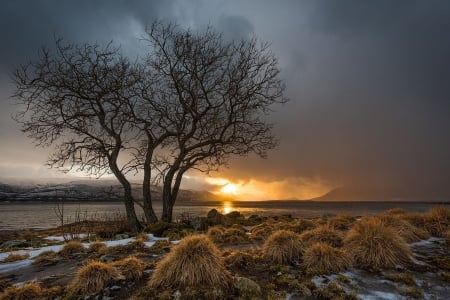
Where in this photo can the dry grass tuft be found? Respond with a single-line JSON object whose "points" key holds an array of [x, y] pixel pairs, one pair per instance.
{"points": [[222, 235], [283, 247], [15, 257], [71, 248], [262, 231], [373, 245], [94, 277], [322, 259], [142, 236], [97, 247], [437, 221], [215, 233], [405, 229], [240, 260], [46, 258], [323, 234], [297, 226], [29, 291], [395, 212], [131, 268], [343, 221], [195, 262]]}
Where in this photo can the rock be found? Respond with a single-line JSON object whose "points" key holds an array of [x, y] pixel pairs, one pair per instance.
{"points": [[248, 289], [199, 223], [121, 236], [233, 217], [14, 243], [214, 217], [115, 288], [177, 295], [107, 258], [158, 228]]}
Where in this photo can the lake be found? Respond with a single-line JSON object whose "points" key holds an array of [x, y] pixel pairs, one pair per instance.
{"points": [[43, 215]]}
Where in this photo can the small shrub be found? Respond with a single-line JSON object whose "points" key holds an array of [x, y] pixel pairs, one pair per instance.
{"points": [[94, 277], [195, 262], [323, 234], [322, 259], [46, 258], [15, 257], [29, 291], [71, 248], [283, 247], [373, 245], [131, 268]]}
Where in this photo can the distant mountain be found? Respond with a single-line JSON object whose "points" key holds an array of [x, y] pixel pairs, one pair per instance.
{"points": [[368, 193], [86, 190]]}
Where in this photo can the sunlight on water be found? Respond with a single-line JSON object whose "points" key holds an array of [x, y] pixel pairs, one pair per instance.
{"points": [[227, 207]]}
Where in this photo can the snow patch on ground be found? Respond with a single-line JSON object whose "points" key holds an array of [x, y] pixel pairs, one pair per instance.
{"points": [[6, 267]]}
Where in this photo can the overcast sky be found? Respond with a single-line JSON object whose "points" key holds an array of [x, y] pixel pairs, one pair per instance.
{"points": [[368, 83]]}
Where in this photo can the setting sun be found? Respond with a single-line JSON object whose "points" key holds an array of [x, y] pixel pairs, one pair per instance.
{"points": [[229, 189]]}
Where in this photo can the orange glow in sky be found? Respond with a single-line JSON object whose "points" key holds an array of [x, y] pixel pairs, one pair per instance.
{"points": [[273, 190]]}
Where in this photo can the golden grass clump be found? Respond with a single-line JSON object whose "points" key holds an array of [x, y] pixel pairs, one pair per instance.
{"points": [[46, 258], [15, 257], [343, 221], [405, 229], [262, 231], [323, 234], [232, 235], [215, 233], [240, 260], [283, 247], [437, 221], [142, 236], [94, 277], [29, 291], [297, 226], [97, 247], [322, 259], [71, 248], [194, 263], [373, 245], [131, 268], [395, 212]]}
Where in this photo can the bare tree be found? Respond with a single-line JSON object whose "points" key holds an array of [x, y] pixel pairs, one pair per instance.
{"points": [[194, 101], [209, 96], [79, 100]]}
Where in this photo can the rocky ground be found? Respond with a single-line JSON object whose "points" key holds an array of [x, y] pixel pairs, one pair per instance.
{"points": [[240, 241]]}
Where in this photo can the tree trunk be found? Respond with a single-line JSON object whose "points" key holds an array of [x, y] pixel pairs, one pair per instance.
{"points": [[167, 211], [146, 189], [128, 199], [132, 219]]}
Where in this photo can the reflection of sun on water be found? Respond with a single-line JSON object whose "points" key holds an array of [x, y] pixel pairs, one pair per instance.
{"points": [[227, 207]]}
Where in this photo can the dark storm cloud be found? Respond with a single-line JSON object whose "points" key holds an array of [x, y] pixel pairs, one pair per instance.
{"points": [[371, 105], [369, 81], [27, 25]]}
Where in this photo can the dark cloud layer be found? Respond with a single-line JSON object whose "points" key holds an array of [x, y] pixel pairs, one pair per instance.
{"points": [[369, 81]]}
